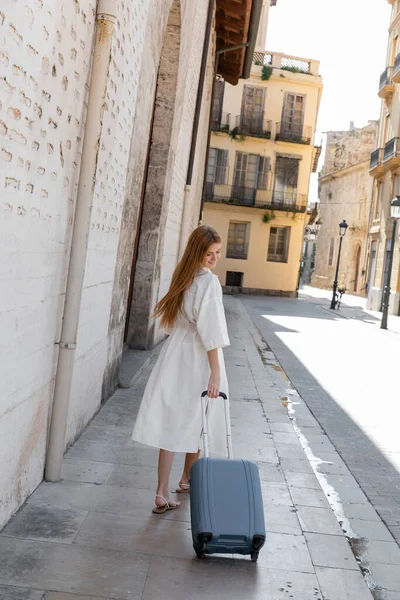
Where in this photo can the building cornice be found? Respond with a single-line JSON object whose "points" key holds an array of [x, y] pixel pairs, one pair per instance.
{"points": [[335, 174]]}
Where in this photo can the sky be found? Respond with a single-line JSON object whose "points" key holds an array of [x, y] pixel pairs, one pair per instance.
{"points": [[349, 38]]}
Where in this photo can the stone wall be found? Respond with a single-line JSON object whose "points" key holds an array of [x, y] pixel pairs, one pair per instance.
{"points": [[43, 92], [345, 192]]}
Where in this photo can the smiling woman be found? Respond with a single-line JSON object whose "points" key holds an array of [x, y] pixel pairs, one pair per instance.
{"points": [[191, 361]]}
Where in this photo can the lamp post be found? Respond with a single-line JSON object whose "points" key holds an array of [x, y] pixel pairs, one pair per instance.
{"points": [[342, 232], [395, 214]]}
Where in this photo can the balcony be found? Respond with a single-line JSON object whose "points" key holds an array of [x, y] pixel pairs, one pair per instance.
{"points": [[396, 70], [376, 167], [222, 123], [316, 156], [391, 153], [386, 85], [255, 198], [254, 125], [288, 132]]}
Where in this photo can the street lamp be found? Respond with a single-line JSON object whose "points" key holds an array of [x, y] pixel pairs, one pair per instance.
{"points": [[395, 214], [342, 232]]}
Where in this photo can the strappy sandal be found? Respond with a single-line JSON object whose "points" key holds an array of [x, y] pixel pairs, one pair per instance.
{"points": [[184, 488], [160, 510]]}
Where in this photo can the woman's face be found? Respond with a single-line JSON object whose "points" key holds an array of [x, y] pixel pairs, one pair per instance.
{"points": [[212, 256]]}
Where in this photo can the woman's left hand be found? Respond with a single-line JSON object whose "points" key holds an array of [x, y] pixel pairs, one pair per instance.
{"points": [[214, 384]]}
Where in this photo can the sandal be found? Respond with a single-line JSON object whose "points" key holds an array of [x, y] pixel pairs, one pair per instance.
{"points": [[160, 510], [184, 488]]}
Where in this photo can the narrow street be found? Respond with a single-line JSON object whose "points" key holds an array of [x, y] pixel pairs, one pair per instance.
{"points": [[93, 535], [345, 368]]}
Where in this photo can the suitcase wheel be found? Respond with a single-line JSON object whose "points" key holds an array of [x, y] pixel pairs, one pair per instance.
{"points": [[201, 551], [254, 556]]}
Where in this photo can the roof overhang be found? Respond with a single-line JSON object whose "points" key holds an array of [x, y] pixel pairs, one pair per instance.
{"points": [[236, 24]]}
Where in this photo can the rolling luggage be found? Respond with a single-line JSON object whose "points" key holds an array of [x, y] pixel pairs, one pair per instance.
{"points": [[226, 505]]}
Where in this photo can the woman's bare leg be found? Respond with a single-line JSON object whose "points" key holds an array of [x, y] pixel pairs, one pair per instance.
{"points": [[190, 459], [165, 460]]}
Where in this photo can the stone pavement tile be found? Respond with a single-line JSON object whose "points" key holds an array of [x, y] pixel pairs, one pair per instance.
{"points": [[246, 405], [281, 519], [281, 427], [17, 593], [382, 552], [85, 470], [256, 453], [341, 584], [318, 520], [141, 477], [285, 437], [66, 568], [113, 435], [309, 497], [105, 452], [275, 493], [296, 465], [347, 488], [66, 596], [386, 577], [50, 523], [104, 498], [290, 450], [256, 438], [151, 534], [219, 579], [330, 551], [302, 480], [270, 472], [337, 467], [281, 550], [365, 512], [371, 530]]}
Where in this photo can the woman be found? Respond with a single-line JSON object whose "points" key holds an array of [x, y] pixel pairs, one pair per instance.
{"points": [[191, 361]]}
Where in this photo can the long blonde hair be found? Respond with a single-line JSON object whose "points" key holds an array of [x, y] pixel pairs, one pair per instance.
{"points": [[199, 242]]}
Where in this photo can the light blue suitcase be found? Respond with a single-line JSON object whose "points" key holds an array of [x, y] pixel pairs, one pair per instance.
{"points": [[226, 506]]}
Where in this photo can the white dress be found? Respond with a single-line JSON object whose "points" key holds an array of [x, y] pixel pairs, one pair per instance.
{"points": [[170, 412]]}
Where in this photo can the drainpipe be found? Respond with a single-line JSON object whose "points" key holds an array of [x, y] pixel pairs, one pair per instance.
{"points": [[105, 20], [199, 99]]}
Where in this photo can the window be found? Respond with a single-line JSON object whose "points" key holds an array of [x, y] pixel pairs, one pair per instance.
{"points": [[217, 169], [378, 201], [234, 279], [253, 101], [278, 246], [285, 184], [251, 171], [331, 251], [217, 102], [238, 240], [292, 115]]}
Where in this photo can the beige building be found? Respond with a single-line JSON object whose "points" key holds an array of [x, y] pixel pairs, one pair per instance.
{"points": [[260, 160], [345, 189], [104, 112], [385, 169]]}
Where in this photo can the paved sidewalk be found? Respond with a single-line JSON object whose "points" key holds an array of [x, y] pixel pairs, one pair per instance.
{"points": [[93, 535]]}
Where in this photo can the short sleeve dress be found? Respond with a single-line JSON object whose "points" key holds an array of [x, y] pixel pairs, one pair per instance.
{"points": [[170, 412]]}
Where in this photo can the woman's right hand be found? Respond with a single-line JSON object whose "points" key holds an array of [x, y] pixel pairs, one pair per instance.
{"points": [[214, 384]]}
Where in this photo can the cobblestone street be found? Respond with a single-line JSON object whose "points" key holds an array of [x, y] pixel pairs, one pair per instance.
{"points": [[93, 535]]}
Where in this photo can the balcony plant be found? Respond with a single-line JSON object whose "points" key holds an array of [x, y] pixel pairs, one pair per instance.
{"points": [[266, 73]]}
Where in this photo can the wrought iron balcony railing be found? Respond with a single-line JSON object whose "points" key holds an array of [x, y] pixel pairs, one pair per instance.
{"points": [[392, 150], [254, 124], [289, 132], [376, 158], [385, 78], [257, 198], [222, 123], [396, 69]]}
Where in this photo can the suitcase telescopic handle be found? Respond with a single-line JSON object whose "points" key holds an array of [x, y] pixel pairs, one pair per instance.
{"points": [[227, 424]]}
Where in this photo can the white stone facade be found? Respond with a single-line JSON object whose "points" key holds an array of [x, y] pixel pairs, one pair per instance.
{"points": [[46, 52]]}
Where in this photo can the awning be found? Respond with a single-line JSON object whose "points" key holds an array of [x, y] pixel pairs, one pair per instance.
{"points": [[236, 23]]}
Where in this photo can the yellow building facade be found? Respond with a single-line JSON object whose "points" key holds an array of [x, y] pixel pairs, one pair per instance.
{"points": [[260, 160], [385, 169]]}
